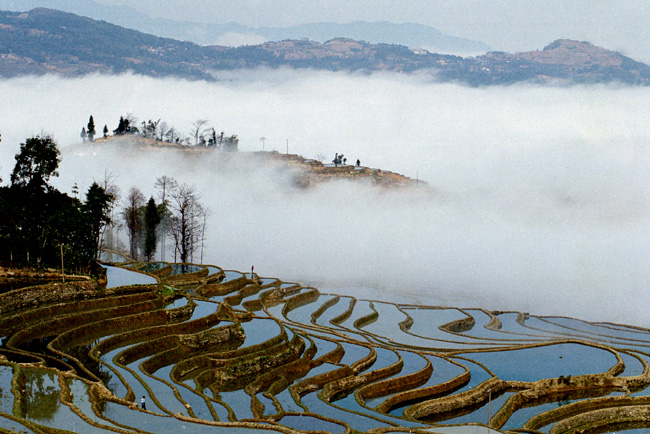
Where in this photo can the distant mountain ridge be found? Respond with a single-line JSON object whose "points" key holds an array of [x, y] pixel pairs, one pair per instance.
{"points": [[564, 60], [48, 41], [412, 35]]}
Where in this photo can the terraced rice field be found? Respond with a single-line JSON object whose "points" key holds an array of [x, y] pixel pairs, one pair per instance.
{"points": [[211, 349]]}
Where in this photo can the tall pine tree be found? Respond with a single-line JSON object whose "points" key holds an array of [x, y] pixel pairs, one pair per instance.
{"points": [[151, 222], [91, 129]]}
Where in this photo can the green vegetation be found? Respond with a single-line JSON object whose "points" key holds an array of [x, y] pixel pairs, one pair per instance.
{"points": [[152, 219], [41, 226], [167, 291], [180, 216], [125, 127], [201, 133], [91, 129], [47, 41]]}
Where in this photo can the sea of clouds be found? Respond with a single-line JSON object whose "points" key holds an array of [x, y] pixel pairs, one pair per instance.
{"points": [[539, 201]]}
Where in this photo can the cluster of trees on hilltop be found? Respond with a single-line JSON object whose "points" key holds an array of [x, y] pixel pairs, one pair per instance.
{"points": [[201, 134], [41, 226]]}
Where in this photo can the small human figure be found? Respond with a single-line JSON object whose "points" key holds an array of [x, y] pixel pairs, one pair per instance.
{"points": [[345, 160], [336, 159], [143, 403], [252, 270], [358, 163]]}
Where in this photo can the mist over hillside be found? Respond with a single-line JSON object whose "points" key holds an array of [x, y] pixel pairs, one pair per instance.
{"points": [[415, 36], [539, 207]]}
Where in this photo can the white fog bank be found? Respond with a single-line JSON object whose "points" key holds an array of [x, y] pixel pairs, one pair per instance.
{"points": [[541, 197]]}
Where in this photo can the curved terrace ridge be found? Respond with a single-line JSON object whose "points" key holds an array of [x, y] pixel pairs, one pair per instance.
{"points": [[221, 348]]}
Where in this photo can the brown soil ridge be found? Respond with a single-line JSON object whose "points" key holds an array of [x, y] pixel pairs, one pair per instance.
{"points": [[308, 172]]}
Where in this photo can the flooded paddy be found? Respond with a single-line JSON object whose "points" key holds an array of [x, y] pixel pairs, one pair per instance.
{"points": [[117, 276], [231, 351]]}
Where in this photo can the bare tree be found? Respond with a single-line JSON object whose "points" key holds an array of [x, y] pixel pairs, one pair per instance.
{"points": [[172, 135], [110, 185], [198, 131], [133, 218], [131, 121], [163, 128], [150, 129], [205, 214], [111, 188], [185, 228], [165, 185]]}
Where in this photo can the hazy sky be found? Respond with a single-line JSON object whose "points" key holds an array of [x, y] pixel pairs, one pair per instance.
{"points": [[541, 196], [506, 25]]}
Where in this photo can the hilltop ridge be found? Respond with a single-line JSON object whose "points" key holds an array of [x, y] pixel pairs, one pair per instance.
{"points": [[573, 53], [47, 41], [307, 172]]}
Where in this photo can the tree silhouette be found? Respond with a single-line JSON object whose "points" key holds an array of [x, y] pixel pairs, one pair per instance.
{"points": [[165, 184], [36, 163], [198, 132], [133, 219], [185, 222], [151, 221], [97, 211], [38, 223], [91, 128]]}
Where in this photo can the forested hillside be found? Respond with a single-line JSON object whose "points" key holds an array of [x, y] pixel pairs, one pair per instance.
{"points": [[47, 41]]}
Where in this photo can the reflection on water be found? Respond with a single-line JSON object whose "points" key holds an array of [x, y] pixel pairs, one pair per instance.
{"points": [[153, 266], [551, 361], [117, 276], [308, 423], [184, 268], [40, 394], [111, 257], [81, 354], [6, 398], [12, 426], [350, 344]]}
